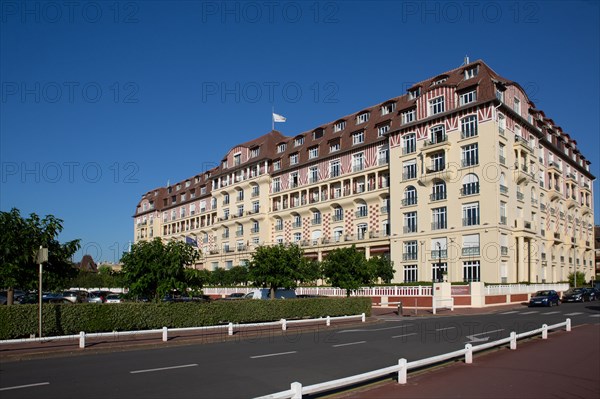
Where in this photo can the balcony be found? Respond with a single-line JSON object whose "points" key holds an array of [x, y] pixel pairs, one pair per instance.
{"points": [[316, 221], [520, 196], [409, 201], [437, 196], [472, 221], [470, 251], [437, 143], [502, 160], [503, 190], [555, 166], [278, 227], [296, 225], [409, 256], [409, 229], [504, 250], [363, 213], [338, 217], [383, 210], [255, 194], [557, 237], [225, 235], [439, 254], [522, 174], [444, 173], [520, 142], [239, 233], [439, 225], [254, 230], [503, 220]]}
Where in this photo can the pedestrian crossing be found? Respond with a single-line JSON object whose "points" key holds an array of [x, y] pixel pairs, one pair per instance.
{"points": [[530, 312]]}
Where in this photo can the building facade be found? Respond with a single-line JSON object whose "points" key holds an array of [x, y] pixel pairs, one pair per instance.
{"points": [[461, 178]]}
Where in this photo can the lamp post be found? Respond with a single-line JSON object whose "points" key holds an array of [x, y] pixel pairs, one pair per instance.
{"points": [[439, 264], [42, 256]]}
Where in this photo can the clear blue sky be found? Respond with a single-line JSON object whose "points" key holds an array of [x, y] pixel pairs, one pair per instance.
{"points": [[101, 103]]}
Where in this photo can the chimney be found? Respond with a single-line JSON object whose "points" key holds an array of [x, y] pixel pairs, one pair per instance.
{"points": [[466, 60]]}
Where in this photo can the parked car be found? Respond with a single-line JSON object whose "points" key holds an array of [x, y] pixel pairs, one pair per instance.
{"points": [[264, 293], [545, 298], [76, 296], [593, 293], [234, 296], [113, 298], [98, 296], [310, 296], [576, 295]]}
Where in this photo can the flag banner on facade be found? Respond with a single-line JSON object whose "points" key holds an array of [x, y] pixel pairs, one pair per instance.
{"points": [[191, 241], [278, 118]]}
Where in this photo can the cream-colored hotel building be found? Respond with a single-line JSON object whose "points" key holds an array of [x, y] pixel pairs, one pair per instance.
{"points": [[461, 178]]}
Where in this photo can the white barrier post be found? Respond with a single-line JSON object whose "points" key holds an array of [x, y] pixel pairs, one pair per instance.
{"points": [[165, 334], [81, 339], [402, 371], [568, 325], [544, 331], [328, 321], [296, 388], [283, 324], [513, 340], [452, 304], [433, 305], [469, 354], [230, 329], [363, 318]]}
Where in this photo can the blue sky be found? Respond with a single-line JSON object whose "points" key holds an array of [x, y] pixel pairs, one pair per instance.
{"points": [[104, 101]]}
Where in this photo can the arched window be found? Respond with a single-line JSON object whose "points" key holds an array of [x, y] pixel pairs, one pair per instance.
{"points": [[470, 184], [410, 196], [438, 191]]}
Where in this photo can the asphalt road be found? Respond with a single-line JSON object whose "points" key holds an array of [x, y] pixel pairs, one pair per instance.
{"points": [[268, 364]]}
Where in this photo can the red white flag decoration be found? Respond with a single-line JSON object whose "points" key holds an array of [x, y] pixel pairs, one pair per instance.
{"points": [[278, 118]]}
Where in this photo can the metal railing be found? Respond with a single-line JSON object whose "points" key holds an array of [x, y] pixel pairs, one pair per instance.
{"points": [[401, 369]]}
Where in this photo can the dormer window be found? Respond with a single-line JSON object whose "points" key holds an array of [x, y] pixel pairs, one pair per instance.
{"points": [[358, 137], [298, 141], [381, 130], [471, 72], [224, 164], [339, 126], [313, 152], [178, 187], [294, 159], [362, 118], [412, 94], [277, 165], [317, 134], [237, 159], [281, 147], [409, 116], [254, 152], [388, 108], [468, 97], [436, 106], [439, 80]]}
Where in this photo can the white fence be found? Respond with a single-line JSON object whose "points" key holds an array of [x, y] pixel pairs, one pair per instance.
{"points": [[165, 330], [330, 291], [523, 288], [297, 390]]}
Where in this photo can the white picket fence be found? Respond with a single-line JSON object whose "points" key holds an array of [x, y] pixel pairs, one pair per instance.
{"points": [[231, 327], [523, 288], [297, 389], [330, 291]]}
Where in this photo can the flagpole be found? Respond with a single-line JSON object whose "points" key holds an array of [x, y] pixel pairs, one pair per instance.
{"points": [[272, 118]]}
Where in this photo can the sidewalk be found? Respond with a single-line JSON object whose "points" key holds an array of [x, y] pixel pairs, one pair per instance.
{"points": [[566, 365]]}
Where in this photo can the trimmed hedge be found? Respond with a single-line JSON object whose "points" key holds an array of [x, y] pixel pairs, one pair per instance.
{"points": [[20, 321]]}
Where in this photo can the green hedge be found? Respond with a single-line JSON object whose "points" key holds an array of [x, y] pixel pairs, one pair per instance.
{"points": [[20, 321]]}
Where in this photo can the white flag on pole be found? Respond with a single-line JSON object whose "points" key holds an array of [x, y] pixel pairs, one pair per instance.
{"points": [[278, 118]]}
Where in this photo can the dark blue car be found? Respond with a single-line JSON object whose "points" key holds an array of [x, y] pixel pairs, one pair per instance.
{"points": [[545, 298]]}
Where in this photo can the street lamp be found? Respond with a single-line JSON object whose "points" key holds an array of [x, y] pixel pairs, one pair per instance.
{"points": [[439, 263]]}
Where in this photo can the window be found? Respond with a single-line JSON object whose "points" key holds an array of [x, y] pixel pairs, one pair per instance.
{"points": [[470, 155], [436, 106], [410, 222], [383, 156], [278, 224], [298, 141], [317, 134], [438, 162], [438, 192], [255, 207], [439, 218], [468, 126], [358, 137], [410, 274], [276, 184], [409, 116], [437, 134], [503, 215], [316, 219], [388, 108], [297, 221], [237, 159], [313, 174], [381, 130], [313, 152], [471, 271], [409, 170], [472, 72], [362, 118], [297, 237], [470, 245], [470, 185], [339, 126], [294, 159], [254, 152], [281, 147], [338, 214], [337, 234], [500, 95], [225, 199], [410, 196], [361, 231], [335, 168], [411, 250], [470, 214], [409, 143], [517, 106], [412, 94], [277, 165], [468, 97], [362, 211], [358, 162], [294, 179], [333, 147], [502, 154]]}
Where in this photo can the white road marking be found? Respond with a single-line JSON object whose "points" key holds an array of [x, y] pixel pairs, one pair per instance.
{"points": [[24, 386], [162, 369], [595, 315], [573, 314], [532, 312], [350, 343], [550, 313], [511, 312], [444, 329], [472, 338], [403, 335], [272, 354], [375, 329]]}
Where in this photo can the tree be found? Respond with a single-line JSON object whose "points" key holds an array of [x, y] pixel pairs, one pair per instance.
{"points": [[383, 268], [151, 269], [580, 279], [196, 279], [19, 243], [348, 269], [278, 266], [238, 275]]}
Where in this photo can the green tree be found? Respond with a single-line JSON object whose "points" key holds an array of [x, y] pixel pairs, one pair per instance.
{"points": [[348, 269], [238, 275], [19, 243], [219, 276], [383, 268], [153, 268], [580, 279], [278, 266], [196, 279]]}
